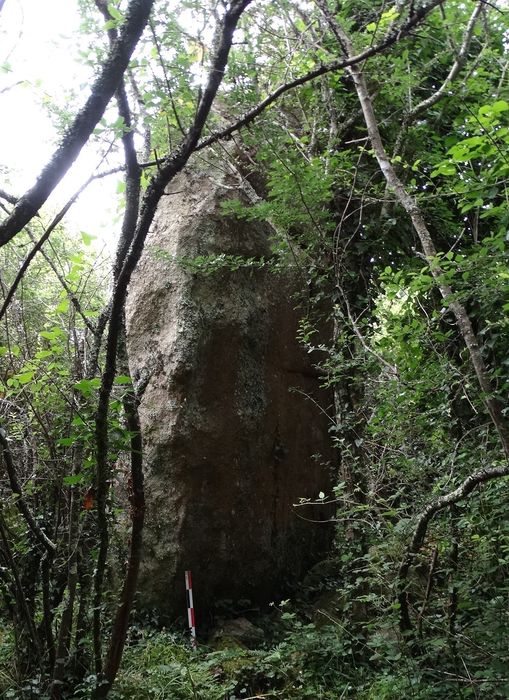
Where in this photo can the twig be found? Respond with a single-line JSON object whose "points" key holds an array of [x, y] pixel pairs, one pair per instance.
{"points": [[37, 247], [21, 504], [429, 585]]}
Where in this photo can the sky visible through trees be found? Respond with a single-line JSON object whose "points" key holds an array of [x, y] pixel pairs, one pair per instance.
{"points": [[40, 56]]}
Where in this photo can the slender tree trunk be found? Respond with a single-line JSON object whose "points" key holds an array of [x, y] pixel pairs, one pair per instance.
{"points": [[22, 608], [139, 227], [130, 218], [137, 513], [64, 633]]}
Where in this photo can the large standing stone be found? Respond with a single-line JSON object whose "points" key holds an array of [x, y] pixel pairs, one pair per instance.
{"points": [[229, 447]]}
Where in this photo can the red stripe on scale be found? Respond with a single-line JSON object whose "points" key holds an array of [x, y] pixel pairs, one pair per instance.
{"points": [[190, 607]]}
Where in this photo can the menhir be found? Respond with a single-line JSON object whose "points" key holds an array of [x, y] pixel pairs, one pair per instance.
{"points": [[234, 421]]}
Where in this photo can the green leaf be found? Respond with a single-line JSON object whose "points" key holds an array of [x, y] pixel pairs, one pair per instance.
{"points": [[87, 239], [66, 442], [445, 169], [73, 479], [78, 257], [123, 379], [63, 307], [87, 385], [53, 334], [42, 354], [115, 12], [500, 106], [25, 377]]}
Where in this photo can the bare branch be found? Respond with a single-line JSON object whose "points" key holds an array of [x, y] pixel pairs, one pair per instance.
{"points": [[456, 67], [21, 504], [8, 197], [458, 64], [37, 247], [166, 79], [133, 191], [423, 520], [137, 513]]}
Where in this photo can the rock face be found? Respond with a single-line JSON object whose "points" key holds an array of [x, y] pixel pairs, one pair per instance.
{"points": [[229, 448]]}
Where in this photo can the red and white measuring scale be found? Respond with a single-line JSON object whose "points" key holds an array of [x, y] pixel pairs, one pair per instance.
{"points": [[190, 608]]}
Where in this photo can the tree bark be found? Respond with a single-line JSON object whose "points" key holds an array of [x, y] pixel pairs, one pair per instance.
{"points": [[137, 513]]}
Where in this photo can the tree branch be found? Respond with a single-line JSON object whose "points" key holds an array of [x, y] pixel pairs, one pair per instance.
{"points": [[21, 504], [137, 513], [71, 295], [248, 117], [37, 247], [421, 528], [394, 37], [133, 191], [84, 123], [8, 197], [21, 600], [456, 67]]}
